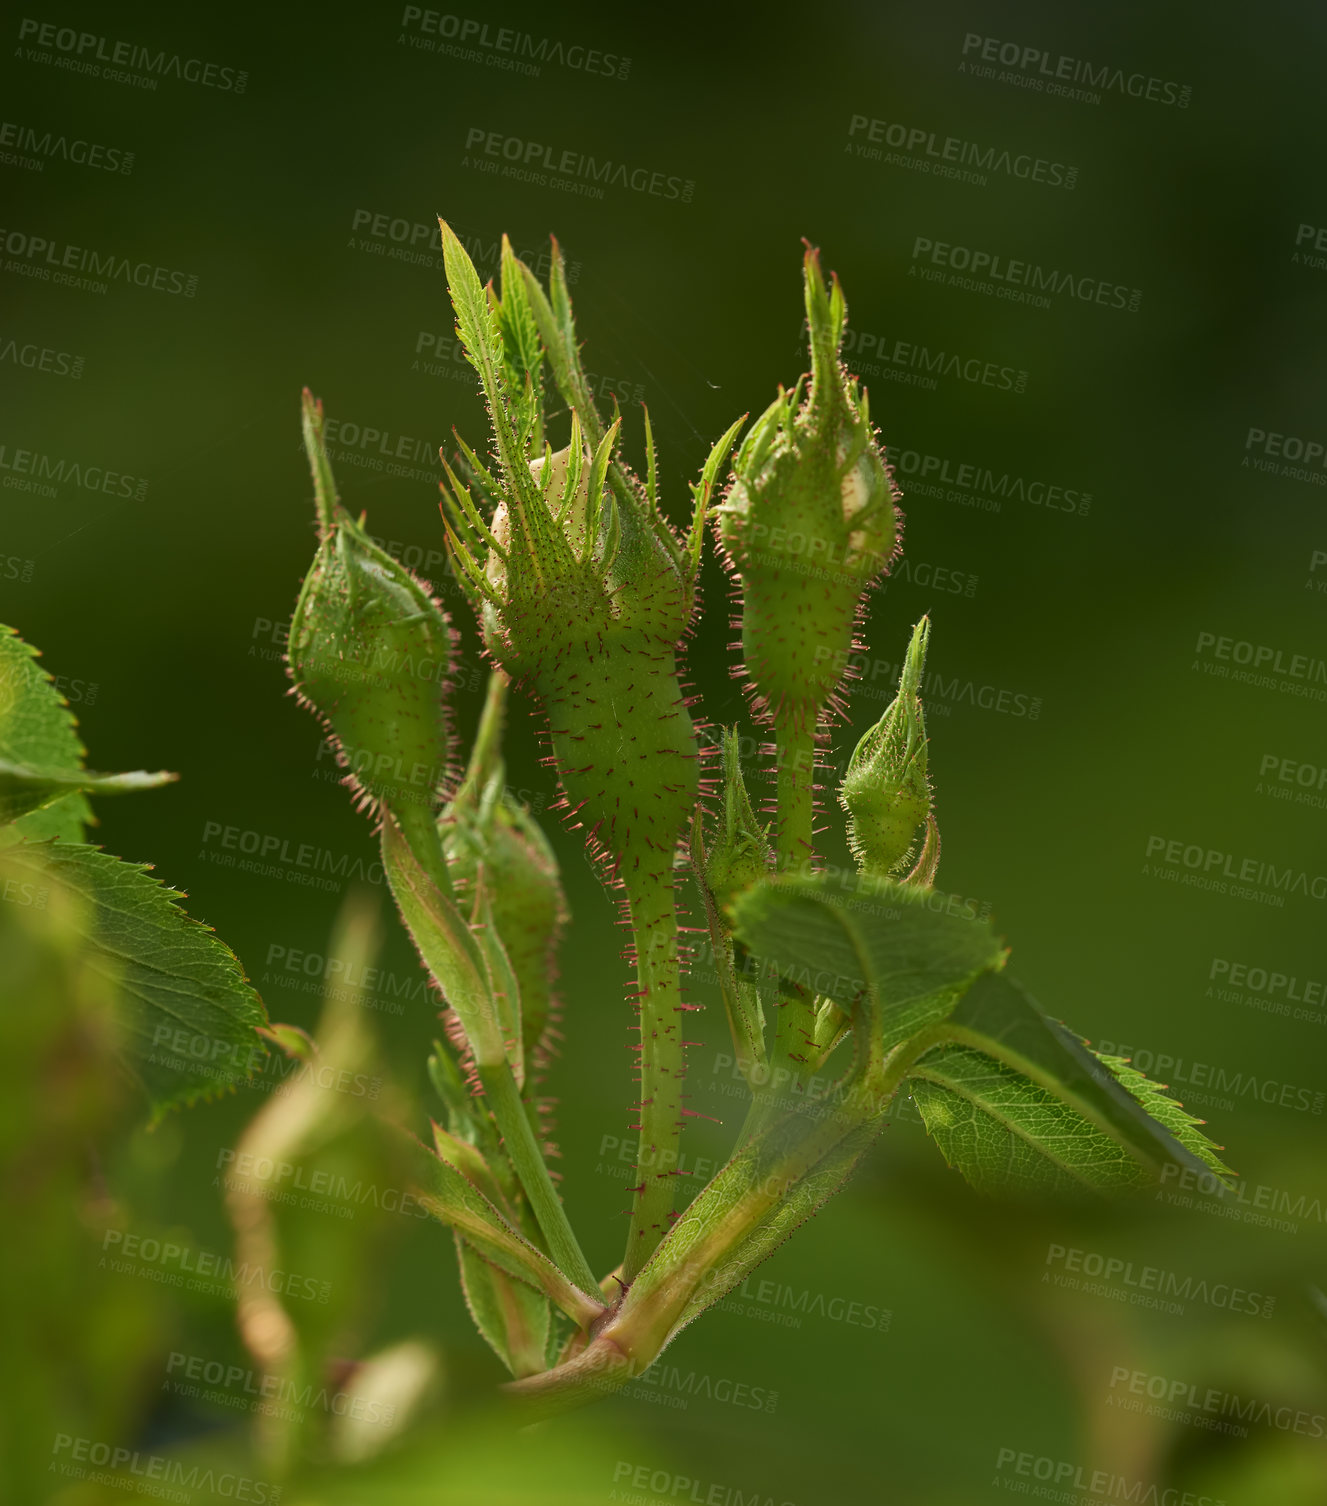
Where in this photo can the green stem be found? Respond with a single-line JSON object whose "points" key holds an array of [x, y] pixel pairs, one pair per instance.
{"points": [[523, 1151], [324, 486], [794, 1015], [795, 748], [486, 755], [420, 829], [727, 1213], [662, 1063]]}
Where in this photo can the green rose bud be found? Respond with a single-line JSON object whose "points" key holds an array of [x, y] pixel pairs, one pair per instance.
{"points": [[808, 524], [370, 653], [737, 851], [885, 791], [585, 592], [490, 839]]}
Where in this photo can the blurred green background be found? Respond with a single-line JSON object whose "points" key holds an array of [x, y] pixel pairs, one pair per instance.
{"points": [[295, 205]]}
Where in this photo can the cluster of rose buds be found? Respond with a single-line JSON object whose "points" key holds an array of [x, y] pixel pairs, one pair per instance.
{"points": [[584, 594]]}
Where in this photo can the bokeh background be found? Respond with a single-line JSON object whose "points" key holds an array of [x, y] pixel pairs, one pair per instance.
{"points": [[1114, 515]]}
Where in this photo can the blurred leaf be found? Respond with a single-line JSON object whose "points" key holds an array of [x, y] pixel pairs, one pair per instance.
{"points": [[755, 1164], [887, 948], [456, 1202], [513, 1319], [1016, 1102], [185, 1012], [24, 788], [37, 730], [386, 1392]]}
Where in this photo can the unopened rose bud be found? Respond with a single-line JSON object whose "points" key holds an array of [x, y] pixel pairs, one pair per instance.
{"points": [[885, 791], [808, 524], [370, 651]]}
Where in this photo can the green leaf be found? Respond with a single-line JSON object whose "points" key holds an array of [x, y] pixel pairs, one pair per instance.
{"points": [[513, 1319], [523, 355], [1016, 1102], [477, 325], [24, 788], [1164, 1109], [557, 330], [37, 730], [701, 490], [41, 756], [804, 1199], [444, 941], [775, 1182], [886, 953], [64, 820], [186, 1014], [456, 1202]]}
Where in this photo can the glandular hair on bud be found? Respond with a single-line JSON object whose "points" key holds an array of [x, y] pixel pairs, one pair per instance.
{"points": [[371, 652], [885, 791], [809, 522]]}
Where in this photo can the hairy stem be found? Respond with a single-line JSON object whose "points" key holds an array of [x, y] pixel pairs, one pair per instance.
{"points": [[727, 1213], [795, 749], [653, 911], [486, 754], [523, 1150], [794, 1015]]}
